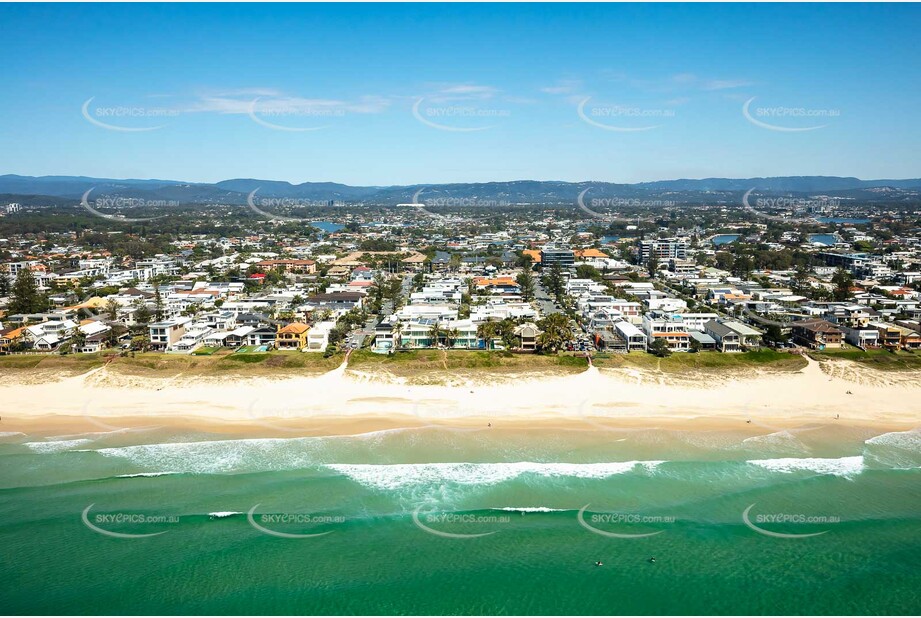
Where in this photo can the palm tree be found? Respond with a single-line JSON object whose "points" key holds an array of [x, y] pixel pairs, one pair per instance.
{"points": [[487, 331], [111, 309], [398, 331], [451, 335], [556, 332], [435, 333]]}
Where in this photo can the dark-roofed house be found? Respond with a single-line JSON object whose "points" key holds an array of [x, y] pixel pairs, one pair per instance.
{"points": [[817, 334], [337, 300], [727, 340]]}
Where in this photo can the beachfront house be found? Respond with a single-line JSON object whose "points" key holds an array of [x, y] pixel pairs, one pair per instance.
{"points": [[726, 339], [671, 329], [318, 336], [164, 334], [817, 334], [526, 335], [292, 337]]}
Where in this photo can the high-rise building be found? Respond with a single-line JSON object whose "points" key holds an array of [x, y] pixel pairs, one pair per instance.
{"points": [[663, 249], [552, 255]]}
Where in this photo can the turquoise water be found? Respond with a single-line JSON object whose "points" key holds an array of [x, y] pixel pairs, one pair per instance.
{"points": [[390, 502], [725, 239]]}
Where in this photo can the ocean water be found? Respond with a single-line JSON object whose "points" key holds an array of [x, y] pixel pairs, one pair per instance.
{"points": [[814, 520]]}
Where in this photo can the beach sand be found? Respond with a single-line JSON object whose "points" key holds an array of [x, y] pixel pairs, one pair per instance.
{"points": [[343, 401]]}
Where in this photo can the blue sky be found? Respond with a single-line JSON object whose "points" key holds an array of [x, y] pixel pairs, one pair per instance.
{"points": [[402, 94]]}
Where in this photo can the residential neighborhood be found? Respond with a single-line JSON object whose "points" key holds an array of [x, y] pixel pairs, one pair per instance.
{"points": [[553, 285]]}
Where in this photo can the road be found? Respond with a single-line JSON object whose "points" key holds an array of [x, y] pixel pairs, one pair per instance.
{"points": [[545, 302], [357, 337]]}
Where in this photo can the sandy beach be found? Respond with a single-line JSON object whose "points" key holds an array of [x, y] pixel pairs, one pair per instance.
{"points": [[346, 401]]}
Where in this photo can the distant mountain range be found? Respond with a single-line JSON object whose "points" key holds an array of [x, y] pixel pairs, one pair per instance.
{"points": [[235, 191]]}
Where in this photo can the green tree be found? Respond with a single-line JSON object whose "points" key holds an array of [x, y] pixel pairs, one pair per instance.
{"points": [[451, 335], [659, 348], [142, 315], [525, 281], [556, 332], [436, 332], [523, 260], [25, 296], [774, 336], [487, 331], [4, 285], [554, 282], [111, 310], [843, 282], [158, 303], [78, 340], [586, 271]]}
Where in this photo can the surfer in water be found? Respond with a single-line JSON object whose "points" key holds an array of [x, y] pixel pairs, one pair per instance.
{"points": [[599, 563], [652, 560]]}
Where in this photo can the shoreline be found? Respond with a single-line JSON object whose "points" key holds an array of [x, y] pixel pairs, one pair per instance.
{"points": [[64, 426], [350, 402]]}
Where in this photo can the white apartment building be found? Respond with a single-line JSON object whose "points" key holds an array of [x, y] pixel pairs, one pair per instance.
{"points": [[164, 334]]}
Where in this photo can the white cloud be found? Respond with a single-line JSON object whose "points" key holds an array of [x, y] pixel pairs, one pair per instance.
{"points": [[265, 100], [565, 86]]}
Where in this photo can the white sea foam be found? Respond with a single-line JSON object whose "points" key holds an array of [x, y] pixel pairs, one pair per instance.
{"points": [[529, 509], [56, 446], [842, 466], [208, 457], [10, 434], [394, 476], [220, 514], [144, 474], [908, 440]]}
